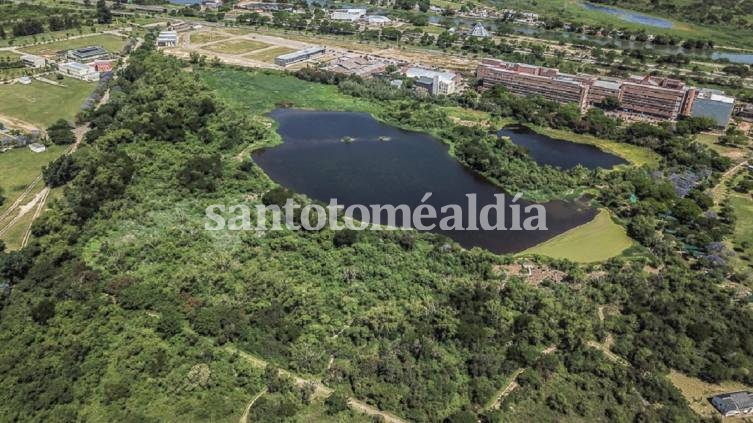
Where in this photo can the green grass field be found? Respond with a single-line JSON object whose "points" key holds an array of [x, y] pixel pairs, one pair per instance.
{"points": [[742, 237], [206, 37], [597, 240], [42, 104], [20, 166], [638, 156], [273, 88], [109, 42], [269, 55], [236, 46]]}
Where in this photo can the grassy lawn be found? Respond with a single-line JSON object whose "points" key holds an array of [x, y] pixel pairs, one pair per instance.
{"points": [[742, 237], [697, 392], [20, 166], [269, 55], [42, 104], [206, 37], [709, 140], [597, 240], [237, 46], [109, 42], [638, 156]]}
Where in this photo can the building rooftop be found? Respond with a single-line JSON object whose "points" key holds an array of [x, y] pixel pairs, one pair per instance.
{"points": [[293, 55], [478, 30], [611, 85], [89, 51], [416, 72], [734, 401], [77, 66]]}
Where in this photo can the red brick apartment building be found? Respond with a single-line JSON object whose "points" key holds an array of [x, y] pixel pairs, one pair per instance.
{"points": [[643, 96]]}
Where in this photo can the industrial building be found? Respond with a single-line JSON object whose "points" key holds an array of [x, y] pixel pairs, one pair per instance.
{"points": [[167, 39], [78, 71], [715, 105], [641, 97], [298, 56], [87, 54], [33, 61], [443, 82], [351, 15]]}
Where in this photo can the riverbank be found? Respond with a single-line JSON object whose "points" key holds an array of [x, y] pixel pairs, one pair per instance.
{"points": [[598, 240]]}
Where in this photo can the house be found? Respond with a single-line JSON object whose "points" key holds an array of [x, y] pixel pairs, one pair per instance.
{"points": [[167, 39], [734, 403], [79, 71], [33, 61], [87, 54], [351, 15], [479, 31]]}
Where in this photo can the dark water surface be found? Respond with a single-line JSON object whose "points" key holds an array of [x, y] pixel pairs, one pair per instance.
{"points": [[560, 153], [314, 161]]}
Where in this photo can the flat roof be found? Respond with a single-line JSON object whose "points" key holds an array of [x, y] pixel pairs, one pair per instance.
{"points": [[76, 65], [417, 72], [293, 55]]}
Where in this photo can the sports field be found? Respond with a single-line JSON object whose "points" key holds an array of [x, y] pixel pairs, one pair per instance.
{"points": [[206, 37], [236, 46], [42, 104], [111, 43], [597, 240]]}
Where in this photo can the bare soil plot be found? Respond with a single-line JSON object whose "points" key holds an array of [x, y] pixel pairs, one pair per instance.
{"points": [[236, 46]]}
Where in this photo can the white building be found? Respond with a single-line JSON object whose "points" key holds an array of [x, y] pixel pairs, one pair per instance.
{"points": [[37, 147], [445, 82], [79, 71], [479, 31], [351, 15], [33, 61], [167, 39], [377, 20], [24, 80]]}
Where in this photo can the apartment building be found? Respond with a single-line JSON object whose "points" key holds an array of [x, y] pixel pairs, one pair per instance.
{"points": [[527, 80], [600, 89]]}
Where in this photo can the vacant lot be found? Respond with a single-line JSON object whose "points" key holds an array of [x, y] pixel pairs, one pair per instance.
{"points": [[236, 46], [597, 240], [42, 104], [269, 55], [206, 37], [109, 42]]}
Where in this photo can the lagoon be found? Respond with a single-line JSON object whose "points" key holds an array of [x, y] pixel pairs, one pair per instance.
{"points": [[313, 160], [559, 153]]}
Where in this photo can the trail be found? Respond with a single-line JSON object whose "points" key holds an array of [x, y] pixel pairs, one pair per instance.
{"points": [[718, 191], [320, 390], [244, 416], [504, 392]]}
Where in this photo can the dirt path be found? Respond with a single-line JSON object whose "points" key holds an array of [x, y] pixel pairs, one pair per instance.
{"points": [[504, 392], [320, 390], [244, 416], [717, 193]]}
